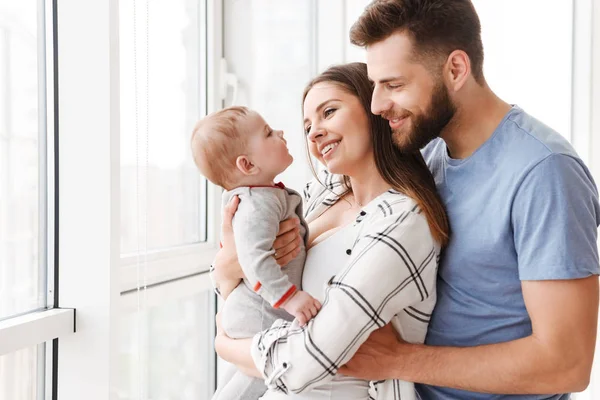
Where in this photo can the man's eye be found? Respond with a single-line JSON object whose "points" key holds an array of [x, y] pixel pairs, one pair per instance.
{"points": [[393, 87]]}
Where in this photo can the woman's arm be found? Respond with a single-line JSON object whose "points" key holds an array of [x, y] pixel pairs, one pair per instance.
{"points": [[235, 351], [392, 266]]}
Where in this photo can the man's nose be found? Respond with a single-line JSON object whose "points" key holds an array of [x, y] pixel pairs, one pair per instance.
{"points": [[380, 103]]}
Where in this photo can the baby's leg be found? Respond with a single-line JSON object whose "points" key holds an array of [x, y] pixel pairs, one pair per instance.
{"points": [[240, 387]]}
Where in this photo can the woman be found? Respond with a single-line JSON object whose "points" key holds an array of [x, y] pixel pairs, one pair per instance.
{"points": [[372, 256]]}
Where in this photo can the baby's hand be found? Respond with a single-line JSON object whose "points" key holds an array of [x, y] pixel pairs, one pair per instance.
{"points": [[302, 306]]}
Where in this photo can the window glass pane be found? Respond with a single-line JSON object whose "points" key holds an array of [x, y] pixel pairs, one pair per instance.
{"points": [[20, 149], [269, 47], [175, 341], [19, 374], [170, 99], [518, 59], [354, 9]]}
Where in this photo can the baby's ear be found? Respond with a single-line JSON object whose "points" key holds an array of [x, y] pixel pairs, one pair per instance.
{"points": [[246, 166]]}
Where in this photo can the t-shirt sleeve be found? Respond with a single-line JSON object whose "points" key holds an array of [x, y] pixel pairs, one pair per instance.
{"points": [[555, 217]]}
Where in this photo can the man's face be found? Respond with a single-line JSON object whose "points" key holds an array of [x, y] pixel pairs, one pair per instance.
{"points": [[414, 101]]}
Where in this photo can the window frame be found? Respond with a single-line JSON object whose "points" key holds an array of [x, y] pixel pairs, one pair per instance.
{"points": [[94, 276], [43, 327]]}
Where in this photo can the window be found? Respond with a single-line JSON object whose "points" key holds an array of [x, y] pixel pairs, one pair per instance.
{"points": [[20, 374], [269, 47], [26, 201], [167, 349], [162, 96], [22, 160], [167, 207], [524, 65]]}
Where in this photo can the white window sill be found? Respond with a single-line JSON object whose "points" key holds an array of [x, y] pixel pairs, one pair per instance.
{"points": [[35, 328]]}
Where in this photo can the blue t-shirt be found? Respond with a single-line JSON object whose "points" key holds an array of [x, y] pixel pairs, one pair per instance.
{"points": [[522, 207]]}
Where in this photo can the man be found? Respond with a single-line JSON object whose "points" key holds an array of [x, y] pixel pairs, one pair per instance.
{"points": [[517, 287]]}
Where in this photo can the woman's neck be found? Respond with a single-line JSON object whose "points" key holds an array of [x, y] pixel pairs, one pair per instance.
{"points": [[367, 184]]}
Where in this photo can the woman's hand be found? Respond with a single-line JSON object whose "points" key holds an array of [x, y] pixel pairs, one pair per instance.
{"points": [[288, 241], [228, 271]]}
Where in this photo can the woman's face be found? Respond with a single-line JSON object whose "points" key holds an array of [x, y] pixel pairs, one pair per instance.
{"points": [[337, 129]]}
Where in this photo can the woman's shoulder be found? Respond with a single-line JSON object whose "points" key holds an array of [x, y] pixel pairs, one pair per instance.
{"points": [[390, 203], [395, 209], [322, 192], [396, 215], [322, 184]]}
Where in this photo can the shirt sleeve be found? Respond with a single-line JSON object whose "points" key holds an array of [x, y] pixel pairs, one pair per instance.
{"points": [[555, 216], [255, 226], [392, 265]]}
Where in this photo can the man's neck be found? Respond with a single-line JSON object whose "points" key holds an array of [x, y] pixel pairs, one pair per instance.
{"points": [[477, 117]]}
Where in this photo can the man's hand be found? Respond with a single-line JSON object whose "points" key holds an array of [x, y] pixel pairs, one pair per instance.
{"points": [[288, 241], [302, 306], [374, 358]]}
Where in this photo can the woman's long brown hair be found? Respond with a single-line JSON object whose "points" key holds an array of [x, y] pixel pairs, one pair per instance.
{"points": [[405, 172]]}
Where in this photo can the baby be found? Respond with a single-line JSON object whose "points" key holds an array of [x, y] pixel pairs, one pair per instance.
{"points": [[236, 149]]}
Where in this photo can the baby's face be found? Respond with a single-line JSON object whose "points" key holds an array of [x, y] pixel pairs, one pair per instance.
{"points": [[267, 147]]}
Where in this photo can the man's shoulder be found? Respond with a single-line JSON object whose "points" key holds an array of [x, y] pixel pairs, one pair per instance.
{"points": [[523, 133], [434, 149], [520, 142]]}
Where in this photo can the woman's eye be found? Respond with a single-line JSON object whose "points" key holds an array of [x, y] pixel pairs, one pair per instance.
{"points": [[328, 112], [307, 130]]}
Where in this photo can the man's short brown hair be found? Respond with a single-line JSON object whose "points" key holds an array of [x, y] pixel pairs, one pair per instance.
{"points": [[217, 141], [436, 28]]}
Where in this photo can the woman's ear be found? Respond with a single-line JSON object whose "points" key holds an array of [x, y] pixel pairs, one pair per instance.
{"points": [[246, 166]]}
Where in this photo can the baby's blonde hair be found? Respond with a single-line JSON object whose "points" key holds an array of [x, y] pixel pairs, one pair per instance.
{"points": [[217, 141]]}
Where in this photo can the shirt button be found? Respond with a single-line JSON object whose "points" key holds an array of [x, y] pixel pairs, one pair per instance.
{"points": [[348, 251], [363, 213]]}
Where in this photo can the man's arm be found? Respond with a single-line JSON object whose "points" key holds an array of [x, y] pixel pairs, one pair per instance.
{"points": [[556, 358]]}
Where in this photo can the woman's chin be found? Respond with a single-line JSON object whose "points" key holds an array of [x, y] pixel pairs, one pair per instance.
{"points": [[336, 168]]}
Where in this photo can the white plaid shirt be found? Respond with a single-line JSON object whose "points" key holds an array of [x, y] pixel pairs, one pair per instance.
{"points": [[390, 276]]}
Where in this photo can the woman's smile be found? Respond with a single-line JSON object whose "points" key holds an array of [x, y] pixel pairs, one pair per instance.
{"points": [[329, 150]]}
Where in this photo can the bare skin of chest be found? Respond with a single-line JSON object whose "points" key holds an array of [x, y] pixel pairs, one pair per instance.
{"points": [[336, 217]]}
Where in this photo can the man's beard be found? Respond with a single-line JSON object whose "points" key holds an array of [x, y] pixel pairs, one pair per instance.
{"points": [[429, 125]]}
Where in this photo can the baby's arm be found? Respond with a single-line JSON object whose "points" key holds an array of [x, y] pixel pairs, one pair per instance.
{"points": [[255, 226]]}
